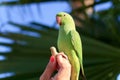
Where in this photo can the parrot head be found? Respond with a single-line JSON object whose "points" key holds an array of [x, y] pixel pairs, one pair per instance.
{"points": [[63, 18]]}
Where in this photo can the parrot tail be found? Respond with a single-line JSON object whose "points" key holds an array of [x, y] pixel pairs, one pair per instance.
{"points": [[83, 77]]}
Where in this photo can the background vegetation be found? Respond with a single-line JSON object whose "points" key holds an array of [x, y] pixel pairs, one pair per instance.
{"points": [[100, 33]]}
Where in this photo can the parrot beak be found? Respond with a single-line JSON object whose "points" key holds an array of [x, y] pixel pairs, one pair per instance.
{"points": [[58, 19]]}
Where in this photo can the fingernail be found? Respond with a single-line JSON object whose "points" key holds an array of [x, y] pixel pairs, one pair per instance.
{"points": [[52, 59]]}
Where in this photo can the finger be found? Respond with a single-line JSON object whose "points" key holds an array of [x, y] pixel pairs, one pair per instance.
{"points": [[50, 68], [63, 55], [59, 58], [62, 60], [53, 51]]}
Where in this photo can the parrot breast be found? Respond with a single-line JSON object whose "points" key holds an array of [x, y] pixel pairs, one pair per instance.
{"points": [[63, 42]]}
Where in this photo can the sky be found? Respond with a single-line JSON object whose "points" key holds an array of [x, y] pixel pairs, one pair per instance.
{"points": [[30, 13], [43, 16]]}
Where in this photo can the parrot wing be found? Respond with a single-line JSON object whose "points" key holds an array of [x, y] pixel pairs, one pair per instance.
{"points": [[76, 43], [77, 46]]}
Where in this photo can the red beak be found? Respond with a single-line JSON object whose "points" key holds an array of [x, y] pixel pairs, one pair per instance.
{"points": [[58, 19]]}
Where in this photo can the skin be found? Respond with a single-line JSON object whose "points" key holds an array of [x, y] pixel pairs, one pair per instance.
{"points": [[64, 70], [70, 43]]}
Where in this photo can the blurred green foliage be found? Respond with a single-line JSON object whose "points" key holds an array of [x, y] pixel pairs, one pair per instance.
{"points": [[100, 36]]}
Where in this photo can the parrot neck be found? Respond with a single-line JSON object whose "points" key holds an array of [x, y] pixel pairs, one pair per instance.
{"points": [[67, 27]]}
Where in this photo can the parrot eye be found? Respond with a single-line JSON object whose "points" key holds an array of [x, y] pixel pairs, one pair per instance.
{"points": [[64, 14]]}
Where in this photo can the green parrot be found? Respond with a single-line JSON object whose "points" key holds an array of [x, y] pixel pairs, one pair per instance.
{"points": [[70, 43]]}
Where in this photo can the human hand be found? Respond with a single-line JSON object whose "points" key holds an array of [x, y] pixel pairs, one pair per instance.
{"points": [[58, 62]]}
